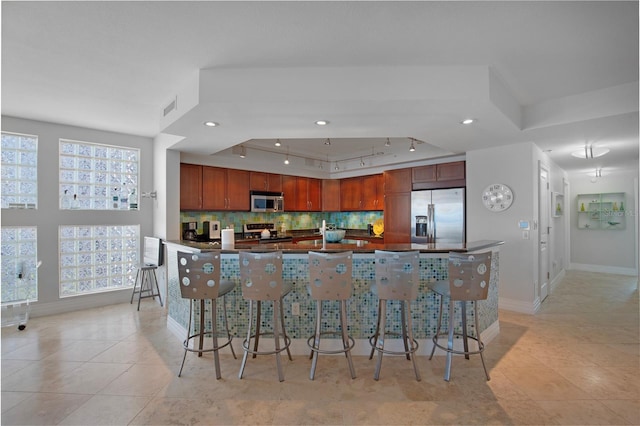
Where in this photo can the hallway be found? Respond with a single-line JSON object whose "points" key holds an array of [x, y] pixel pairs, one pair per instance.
{"points": [[576, 362]]}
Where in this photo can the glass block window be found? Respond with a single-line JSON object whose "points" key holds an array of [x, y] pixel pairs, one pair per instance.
{"points": [[97, 177], [97, 258], [19, 263], [19, 171]]}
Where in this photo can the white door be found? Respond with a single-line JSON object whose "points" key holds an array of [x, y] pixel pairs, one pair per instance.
{"points": [[543, 220]]}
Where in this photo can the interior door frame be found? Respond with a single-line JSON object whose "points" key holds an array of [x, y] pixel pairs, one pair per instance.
{"points": [[544, 221]]}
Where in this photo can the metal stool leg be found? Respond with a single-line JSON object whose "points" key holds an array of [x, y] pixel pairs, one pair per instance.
{"points": [[186, 342], [480, 344], [403, 315], [214, 335], [465, 340], [155, 280], [375, 335], [226, 324], [435, 337], [447, 372], [345, 337], [284, 329], [245, 345], [380, 338], [316, 340], [258, 317], [412, 355], [135, 285], [276, 334]]}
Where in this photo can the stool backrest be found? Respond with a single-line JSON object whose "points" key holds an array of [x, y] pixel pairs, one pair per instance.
{"points": [[469, 275], [199, 275], [397, 274], [261, 275], [330, 275]]}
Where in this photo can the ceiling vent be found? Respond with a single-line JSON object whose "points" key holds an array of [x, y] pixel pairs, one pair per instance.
{"points": [[172, 106]]}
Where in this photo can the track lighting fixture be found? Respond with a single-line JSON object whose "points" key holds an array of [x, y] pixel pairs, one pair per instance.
{"points": [[278, 142], [243, 151], [387, 143], [411, 147], [327, 142]]}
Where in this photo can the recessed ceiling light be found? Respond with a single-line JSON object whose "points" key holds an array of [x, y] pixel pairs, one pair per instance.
{"points": [[211, 124], [468, 121], [322, 122]]}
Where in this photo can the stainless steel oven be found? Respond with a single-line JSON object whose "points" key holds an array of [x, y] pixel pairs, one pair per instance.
{"points": [[267, 201]]}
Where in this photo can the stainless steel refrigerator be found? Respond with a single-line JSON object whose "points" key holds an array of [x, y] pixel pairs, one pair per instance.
{"points": [[438, 216]]}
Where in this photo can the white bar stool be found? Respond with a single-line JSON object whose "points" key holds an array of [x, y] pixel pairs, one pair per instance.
{"points": [[330, 280], [469, 277], [397, 278]]}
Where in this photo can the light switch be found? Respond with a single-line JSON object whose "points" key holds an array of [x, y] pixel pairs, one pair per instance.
{"points": [[525, 235]]}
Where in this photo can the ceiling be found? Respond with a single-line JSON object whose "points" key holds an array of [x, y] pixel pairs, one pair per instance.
{"points": [[557, 74]]}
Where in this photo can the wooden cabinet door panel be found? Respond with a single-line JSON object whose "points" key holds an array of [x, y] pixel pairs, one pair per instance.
{"points": [[214, 185], [314, 194], [351, 194], [274, 182], [397, 181], [330, 195], [238, 190], [258, 181], [451, 171], [397, 218], [424, 174], [372, 192], [289, 184], [190, 187]]}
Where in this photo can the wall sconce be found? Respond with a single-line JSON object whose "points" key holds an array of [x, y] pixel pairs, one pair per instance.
{"points": [[152, 194]]}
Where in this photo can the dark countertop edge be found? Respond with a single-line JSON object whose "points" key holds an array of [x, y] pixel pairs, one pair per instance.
{"points": [[367, 248]]}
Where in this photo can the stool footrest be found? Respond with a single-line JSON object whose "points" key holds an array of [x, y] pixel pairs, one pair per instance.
{"points": [[454, 351], [227, 342], [245, 345], [352, 343], [373, 339]]}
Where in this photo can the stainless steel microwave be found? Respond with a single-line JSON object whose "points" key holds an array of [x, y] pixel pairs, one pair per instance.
{"points": [[267, 201]]}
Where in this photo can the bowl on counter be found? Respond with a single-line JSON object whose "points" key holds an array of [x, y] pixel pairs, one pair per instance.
{"points": [[334, 235]]}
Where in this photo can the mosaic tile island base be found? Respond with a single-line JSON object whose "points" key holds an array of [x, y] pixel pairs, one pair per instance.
{"points": [[362, 308]]}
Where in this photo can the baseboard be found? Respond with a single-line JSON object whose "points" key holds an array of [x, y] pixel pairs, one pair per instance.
{"points": [[518, 306], [70, 304], [556, 281], [604, 269], [362, 348]]}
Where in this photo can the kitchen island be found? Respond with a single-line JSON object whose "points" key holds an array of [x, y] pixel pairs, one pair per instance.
{"points": [[362, 307]]}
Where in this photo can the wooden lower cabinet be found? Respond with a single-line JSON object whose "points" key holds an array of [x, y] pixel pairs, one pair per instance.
{"points": [[397, 218]]}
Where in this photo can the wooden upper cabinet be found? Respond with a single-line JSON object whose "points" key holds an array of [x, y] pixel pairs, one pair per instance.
{"points": [[444, 175], [260, 181], [302, 194], [362, 193], [190, 187], [451, 171], [238, 190], [351, 194], [424, 174], [214, 188], [330, 195], [397, 181], [373, 192]]}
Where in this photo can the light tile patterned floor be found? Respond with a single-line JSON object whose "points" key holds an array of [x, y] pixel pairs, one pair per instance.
{"points": [[576, 362]]}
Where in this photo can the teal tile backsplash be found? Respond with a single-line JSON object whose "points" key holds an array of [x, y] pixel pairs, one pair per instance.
{"points": [[292, 220]]}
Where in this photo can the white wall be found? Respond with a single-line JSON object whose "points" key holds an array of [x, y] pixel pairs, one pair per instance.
{"points": [[516, 167], [602, 250], [48, 216]]}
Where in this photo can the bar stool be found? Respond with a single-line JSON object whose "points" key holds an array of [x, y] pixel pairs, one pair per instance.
{"points": [[469, 277], [200, 280], [261, 278], [330, 280], [397, 278], [146, 275]]}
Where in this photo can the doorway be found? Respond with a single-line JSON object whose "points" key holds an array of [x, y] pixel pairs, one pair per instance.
{"points": [[544, 195]]}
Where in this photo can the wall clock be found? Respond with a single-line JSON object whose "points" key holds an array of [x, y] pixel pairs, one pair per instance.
{"points": [[497, 197]]}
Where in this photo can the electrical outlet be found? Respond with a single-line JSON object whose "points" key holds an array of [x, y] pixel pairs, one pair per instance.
{"points": [[295, 308]]}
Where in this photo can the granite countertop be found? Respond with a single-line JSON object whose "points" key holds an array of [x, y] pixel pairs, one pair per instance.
{"points": [[303, 247]]}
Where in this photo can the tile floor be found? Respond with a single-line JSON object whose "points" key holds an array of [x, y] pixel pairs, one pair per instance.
{"points": [[576, 362]]}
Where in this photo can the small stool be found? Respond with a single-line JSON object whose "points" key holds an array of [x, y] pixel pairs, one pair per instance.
{"points": [[397, 278], [330, 279], [261, 277], [469, 277], [200, 280], [145, 280]]}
